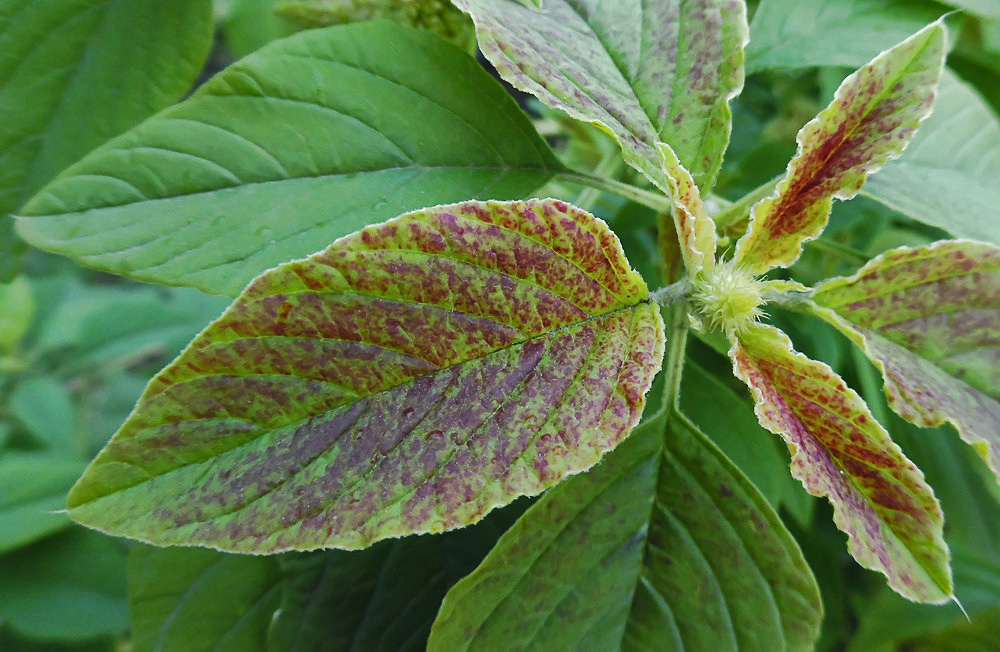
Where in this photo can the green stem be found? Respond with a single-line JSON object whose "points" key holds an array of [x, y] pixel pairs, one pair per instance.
{"points": [[653, 200], [741, 207], [843, 252], [673, 362], [607, 168]]}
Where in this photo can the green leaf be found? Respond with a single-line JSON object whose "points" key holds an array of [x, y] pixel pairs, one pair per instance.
{"points": [[928, 318], [44, 406], [382, 598], [643, 71], [17, 312], [729, 421], [193, 600], [32, 490], [251, 24], [664, 545], [408, 379], [63, 60], [68, 587], [948, 175], [985, 8], [891, 517], [870, 120], [307, 140], [805, 33]]}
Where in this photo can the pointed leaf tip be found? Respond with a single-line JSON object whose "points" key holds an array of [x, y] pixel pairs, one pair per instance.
{"points": [[870, 121], [880, 499], [410, 378]]}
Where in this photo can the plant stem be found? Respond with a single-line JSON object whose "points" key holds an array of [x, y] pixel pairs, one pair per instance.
{"points": [[653, 200], [607, 168], [840, 251], [673, 362], [672, 293], [741, 207]]}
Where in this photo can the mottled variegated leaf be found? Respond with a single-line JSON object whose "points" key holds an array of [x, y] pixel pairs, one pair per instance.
{"points": [[410, 378], [870, 120], [692, 227], [663, 546], [880, 499], [645, 71], [929, 318]]}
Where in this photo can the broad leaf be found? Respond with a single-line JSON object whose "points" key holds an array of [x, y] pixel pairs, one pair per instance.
{"points": [[194, 600], [74, 73], [410, 378], [870, 120], [382, 598], [692, 227], [891, 517], [664, 545], [928, 318], [307, 140], [644, 71], [44, 407], [32, 493], [69, 587], [948, 175], [805, 33]]}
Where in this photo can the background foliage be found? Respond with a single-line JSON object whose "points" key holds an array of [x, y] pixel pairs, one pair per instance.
{"points": [[77, 346]]}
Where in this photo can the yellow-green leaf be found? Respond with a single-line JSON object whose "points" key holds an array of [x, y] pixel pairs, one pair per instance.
{"points": [[409, 378]]}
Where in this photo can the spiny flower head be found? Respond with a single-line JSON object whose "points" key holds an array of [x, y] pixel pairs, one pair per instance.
{"points": [[728, 297]]}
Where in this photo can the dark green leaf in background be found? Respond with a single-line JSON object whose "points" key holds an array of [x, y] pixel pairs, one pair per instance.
{"points": [[282, 153], [196, 599], [68, 587], [659, 547], [33, 490]]}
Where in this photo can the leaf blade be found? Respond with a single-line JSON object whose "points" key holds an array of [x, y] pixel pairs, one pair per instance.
{"points": [[419, 332], [641, 579], [156, 203], [870, 120], [880, 499], [646, 72], [947, 372]]}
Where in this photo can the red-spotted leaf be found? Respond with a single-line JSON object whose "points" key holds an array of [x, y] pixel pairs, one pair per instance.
{"points": [[869, 122], [410, 378], [929, 318], [692, 227], [645, 71], [891, 517]]}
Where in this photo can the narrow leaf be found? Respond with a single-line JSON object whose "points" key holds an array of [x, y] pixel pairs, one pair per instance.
{"points": [[929, 318], [664, 545], [410, 378], [200, 600], [891, 517], [644, 71], [871, 119], [74, 73], [693, 228], [309, 139], [948, 175]]}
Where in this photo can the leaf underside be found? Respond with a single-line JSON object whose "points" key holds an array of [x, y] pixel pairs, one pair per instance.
{"points": [[929, 318], [880, 498], [656, 548], [305, 141], [408, 379], [644, 71], [871, 119]]}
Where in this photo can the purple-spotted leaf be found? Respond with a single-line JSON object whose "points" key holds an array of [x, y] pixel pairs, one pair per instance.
{"points": [[645, 71], [929, 318], [880, 499], [409, 378], [870, 121], [693, 228]]}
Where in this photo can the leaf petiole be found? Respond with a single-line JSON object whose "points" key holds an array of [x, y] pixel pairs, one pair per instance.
{"points": [[653, 200], [740, 209]]}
